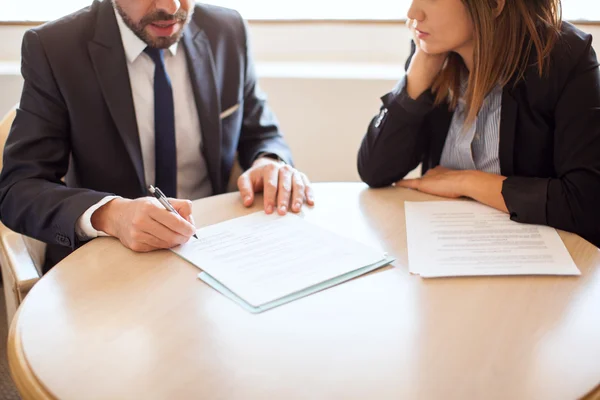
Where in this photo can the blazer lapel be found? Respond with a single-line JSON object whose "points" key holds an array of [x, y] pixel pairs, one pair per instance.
{"points": [[108, 58], [508, 122], [202, 73]]}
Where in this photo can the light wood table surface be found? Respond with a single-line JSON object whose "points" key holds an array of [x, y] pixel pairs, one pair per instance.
{"points": [[107, 323]]}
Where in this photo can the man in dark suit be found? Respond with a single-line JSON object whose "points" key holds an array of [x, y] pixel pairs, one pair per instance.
{"points": [[130, 93]]}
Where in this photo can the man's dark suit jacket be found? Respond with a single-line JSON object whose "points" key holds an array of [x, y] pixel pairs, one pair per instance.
{"points": [[549, 140], [76, 119]]}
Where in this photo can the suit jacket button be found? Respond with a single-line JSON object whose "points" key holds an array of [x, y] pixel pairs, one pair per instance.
{"points": [[62, 239]]}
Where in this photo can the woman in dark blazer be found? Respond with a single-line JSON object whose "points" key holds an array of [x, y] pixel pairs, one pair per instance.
{"points": [[500, 103]]}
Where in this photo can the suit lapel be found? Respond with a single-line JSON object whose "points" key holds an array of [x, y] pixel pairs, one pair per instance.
{"points": [[202, 73], [508, 122], [108, 58]]}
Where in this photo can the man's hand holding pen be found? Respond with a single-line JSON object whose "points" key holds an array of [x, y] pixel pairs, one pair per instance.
{"points": [[144, 224]]}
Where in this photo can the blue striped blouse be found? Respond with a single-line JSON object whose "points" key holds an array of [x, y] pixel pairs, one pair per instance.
{"points": [[477, 147]]}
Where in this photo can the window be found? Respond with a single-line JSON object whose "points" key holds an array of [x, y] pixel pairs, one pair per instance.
{"points": [[365, 10], [43, 10]]}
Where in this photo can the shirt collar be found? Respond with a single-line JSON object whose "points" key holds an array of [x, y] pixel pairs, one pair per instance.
{"points": [[464, 83], [133, 45]]}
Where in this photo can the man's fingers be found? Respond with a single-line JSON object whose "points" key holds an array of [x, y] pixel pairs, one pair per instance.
{"points": [[151, 235], [298, 191], [309, 193], [183, 207], [172, 221], [152, 240], [166, 237], [270, 181], [140, 247], [285, 189], [246, 190], [143, 242]]}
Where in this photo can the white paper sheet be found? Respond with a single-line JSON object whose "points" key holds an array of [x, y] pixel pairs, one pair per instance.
{"points": [[262, 257], [461, 238]]}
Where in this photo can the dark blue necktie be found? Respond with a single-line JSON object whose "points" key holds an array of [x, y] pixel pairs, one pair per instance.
{"points": [[164, 127]]}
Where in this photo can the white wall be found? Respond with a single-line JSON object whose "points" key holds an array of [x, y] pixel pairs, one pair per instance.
{"points": [[324, 81]]}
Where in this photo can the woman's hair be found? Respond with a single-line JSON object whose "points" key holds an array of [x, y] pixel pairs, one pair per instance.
{"points": [[504, 45]]}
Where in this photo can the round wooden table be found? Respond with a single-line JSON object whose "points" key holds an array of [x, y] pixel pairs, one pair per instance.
{"points": [[107, 323]]}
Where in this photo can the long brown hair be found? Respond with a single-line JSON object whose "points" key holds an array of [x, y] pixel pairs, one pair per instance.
{"points": [[504, 45]]}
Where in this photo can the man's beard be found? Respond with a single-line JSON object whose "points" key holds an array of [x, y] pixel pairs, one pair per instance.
{"points": [[157, 42]]}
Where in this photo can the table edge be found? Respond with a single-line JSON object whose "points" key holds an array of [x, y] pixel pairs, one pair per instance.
{"points": [[27, 384]]}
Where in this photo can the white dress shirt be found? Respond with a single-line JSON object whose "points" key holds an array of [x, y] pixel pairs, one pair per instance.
{"points": [[192, 175]]}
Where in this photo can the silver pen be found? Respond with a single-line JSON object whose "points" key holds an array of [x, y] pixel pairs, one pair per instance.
{"points": [[162, 199]]}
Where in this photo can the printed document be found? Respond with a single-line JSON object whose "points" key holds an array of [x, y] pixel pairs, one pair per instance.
{"points": [[262, 258], [460, 238]]}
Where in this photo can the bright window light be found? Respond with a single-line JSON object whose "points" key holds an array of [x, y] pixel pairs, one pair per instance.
{"points": [[43, 10]]}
